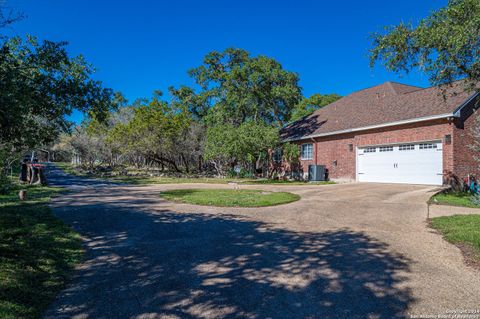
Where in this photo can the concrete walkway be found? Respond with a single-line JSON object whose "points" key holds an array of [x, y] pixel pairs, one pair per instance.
{"points": [[437, 210], [342, 251]]}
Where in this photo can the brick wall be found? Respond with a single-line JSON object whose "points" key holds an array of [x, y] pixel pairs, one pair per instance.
{"points": [[458, 157], [334, 151], [462, 139]]}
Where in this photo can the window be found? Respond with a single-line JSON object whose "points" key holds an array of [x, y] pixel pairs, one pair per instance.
{"points": [[277, 155], [307, 151], [370, 150], [406, 147], [426, 146], [385, 149]]}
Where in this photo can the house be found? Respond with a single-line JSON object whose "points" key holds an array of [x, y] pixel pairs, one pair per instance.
{"points": [[391, 133]]}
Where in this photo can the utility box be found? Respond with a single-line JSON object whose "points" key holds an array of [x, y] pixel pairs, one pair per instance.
{"points": [[316, 173]]}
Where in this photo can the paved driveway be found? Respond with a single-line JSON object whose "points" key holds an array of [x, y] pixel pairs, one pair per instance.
{"points": [[342, 251]]}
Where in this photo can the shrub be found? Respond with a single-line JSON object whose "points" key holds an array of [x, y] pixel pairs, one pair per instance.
{"points": [[231, 173], [245, 173], [6, 184], [475, 199]]}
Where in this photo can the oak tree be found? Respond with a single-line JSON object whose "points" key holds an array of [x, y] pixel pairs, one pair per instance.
{"points": [[445, 45]]}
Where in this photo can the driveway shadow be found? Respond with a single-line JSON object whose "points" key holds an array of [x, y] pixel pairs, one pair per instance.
{"points": [[156, 264], [57, 177]]}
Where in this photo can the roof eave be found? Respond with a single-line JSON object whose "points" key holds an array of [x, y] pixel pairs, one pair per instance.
{"points": [[470, 99], [370, 127]]}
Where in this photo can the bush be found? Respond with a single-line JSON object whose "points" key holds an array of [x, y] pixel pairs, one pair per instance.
{"points": [[231, 174], [244, 173], [475, 199], [6, 184]]}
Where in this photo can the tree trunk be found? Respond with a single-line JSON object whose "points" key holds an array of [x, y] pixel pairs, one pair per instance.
{"points": [[185, 163], [161, 160]]}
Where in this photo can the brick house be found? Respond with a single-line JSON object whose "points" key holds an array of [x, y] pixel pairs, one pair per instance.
{"points": [[392, 133]]}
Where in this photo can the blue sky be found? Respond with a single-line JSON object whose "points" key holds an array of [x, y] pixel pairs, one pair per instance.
{"points": [[139, 46]]}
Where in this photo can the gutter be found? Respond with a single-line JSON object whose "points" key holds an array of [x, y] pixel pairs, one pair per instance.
{"points": [[370, 127]]}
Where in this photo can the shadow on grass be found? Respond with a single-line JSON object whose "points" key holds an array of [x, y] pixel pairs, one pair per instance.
{"points": [[145, 262], [147, 180], [37, 253]]}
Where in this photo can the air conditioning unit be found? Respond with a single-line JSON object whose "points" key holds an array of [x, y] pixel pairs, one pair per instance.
{"points": [[316, 173]]}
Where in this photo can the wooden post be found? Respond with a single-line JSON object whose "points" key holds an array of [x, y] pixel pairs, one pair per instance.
{"points": [[29, 173], [24, 173], [22, 194], [33, 174], [41, 176]]}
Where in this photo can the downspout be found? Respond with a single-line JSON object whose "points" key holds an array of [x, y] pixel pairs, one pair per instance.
{"points": [[316, 149]]}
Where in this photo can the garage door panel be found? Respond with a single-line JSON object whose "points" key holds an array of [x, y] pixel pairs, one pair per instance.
{"points": [[416, 163]]}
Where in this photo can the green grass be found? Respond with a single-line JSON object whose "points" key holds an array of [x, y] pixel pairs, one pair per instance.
{"points": [[138, 180], [144, 180], [229, 197], [68, 168], [38, 252], [460, 229], [282, 182], [454, 199]]}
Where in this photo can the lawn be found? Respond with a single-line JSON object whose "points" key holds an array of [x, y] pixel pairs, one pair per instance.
{"points": [[282, 182], [137, 180], [141, 180], [229, 197], [38, 252], [144, 180], [462, 230], [67, 168], [454, 199]]}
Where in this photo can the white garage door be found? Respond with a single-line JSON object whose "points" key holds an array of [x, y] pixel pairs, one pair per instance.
{"points": [[415, 163]]}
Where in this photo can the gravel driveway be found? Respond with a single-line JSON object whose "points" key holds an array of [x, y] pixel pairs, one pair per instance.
{"points": [[342, 251]]}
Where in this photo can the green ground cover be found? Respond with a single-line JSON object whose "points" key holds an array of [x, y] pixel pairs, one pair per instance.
{"points": [[38, 252], [229, 197], [461, 230]]}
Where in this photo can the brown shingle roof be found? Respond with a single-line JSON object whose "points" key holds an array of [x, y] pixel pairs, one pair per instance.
{"points": [[385, 103]]}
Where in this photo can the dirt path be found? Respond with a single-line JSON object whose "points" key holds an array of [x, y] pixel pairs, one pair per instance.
{"points": [[356, 251]]}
